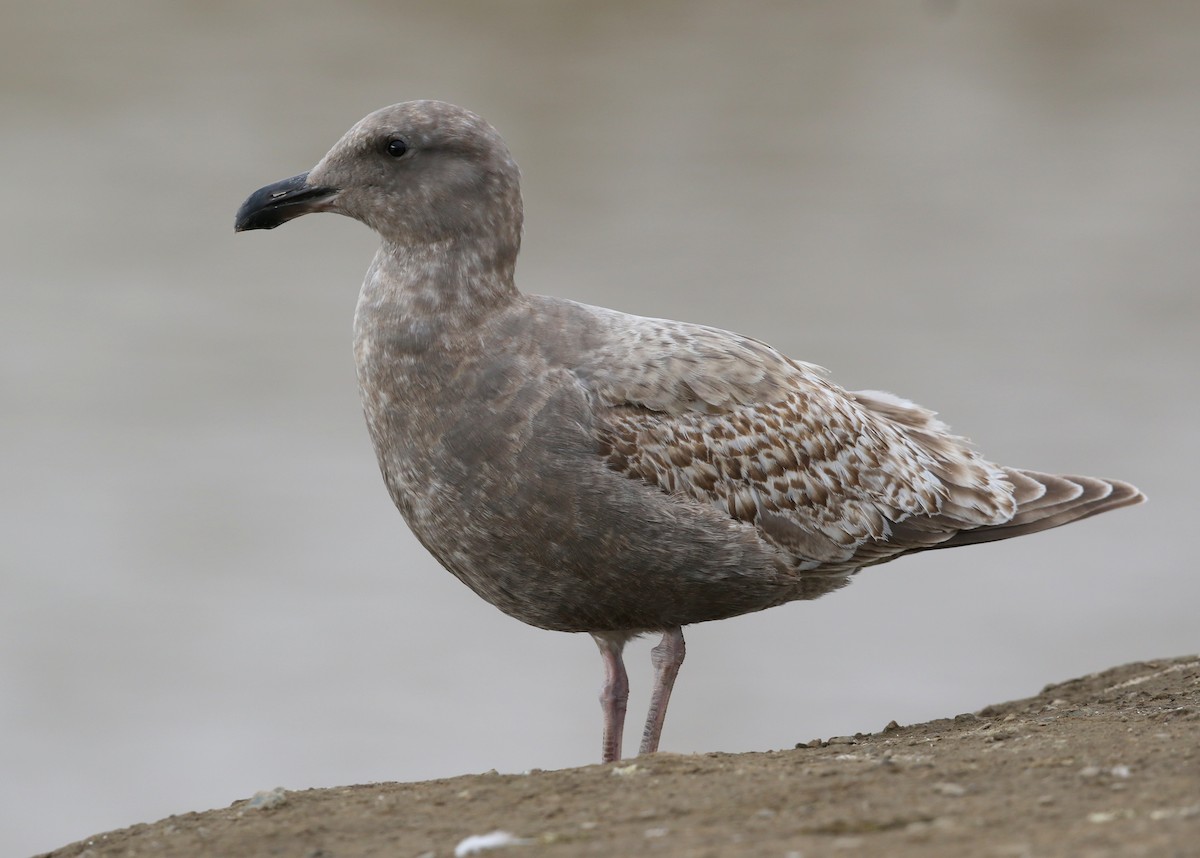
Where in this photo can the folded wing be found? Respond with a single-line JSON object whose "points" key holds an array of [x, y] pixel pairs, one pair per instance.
{"points": [[835, 479]]}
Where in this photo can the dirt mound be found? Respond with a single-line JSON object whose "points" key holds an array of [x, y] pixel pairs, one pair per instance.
{"points": [[1108, 764]]}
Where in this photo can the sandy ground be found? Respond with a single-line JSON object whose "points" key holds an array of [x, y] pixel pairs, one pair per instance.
{"points": [[1108, 764]]}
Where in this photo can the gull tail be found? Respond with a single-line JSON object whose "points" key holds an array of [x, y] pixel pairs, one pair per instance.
{"points": [[1049, 500]]}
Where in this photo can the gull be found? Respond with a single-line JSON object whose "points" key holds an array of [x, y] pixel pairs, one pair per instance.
{"points": [[587, 470]]}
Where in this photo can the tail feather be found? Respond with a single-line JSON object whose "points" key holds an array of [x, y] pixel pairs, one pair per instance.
{"points": [[1049, 500], [1026, 489]]}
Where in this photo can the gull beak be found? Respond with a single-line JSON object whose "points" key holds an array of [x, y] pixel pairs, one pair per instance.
{"points": [[280, 202]]}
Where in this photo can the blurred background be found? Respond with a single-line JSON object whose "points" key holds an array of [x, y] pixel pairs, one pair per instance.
{"points": [[988, 207]]}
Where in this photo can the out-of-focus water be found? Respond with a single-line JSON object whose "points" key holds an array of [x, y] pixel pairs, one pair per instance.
{"points": [[989, 208]]}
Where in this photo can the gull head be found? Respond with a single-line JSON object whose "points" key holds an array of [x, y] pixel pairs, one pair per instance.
{"points": [[418, 173]]}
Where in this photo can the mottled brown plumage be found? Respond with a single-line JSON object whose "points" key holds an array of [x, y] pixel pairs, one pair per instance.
{"points": [[588, 470]]}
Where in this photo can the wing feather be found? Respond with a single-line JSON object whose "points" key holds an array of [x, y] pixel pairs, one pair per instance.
{"points": [[834, 479]]}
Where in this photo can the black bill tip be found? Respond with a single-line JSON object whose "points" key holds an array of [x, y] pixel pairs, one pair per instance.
{"points": [[280, 202]]}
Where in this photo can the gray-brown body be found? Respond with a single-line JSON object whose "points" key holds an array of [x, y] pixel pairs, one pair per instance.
{"points": [[491, 453]]}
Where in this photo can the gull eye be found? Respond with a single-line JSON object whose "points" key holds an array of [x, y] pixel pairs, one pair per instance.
{"points": [[396, 147]]}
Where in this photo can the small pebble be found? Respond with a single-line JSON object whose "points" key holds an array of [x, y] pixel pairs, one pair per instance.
{"points": [[268, 799], [477, 843]]}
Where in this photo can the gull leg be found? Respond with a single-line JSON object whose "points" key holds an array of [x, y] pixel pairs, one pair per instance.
{"points": [[666, 658], [614, 695]]}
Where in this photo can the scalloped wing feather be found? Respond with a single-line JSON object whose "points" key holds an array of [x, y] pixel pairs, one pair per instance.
{"points": [[834, 479], [676, 368]]}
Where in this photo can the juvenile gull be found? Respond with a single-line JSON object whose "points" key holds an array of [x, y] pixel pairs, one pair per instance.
{"points": [[585, 470]]}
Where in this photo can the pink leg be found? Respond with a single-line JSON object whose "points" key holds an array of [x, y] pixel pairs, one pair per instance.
{"points": [[666, 658], [614, 695]]}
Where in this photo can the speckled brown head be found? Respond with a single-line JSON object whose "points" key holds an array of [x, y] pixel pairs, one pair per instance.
{"points": [[417, 173]]}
